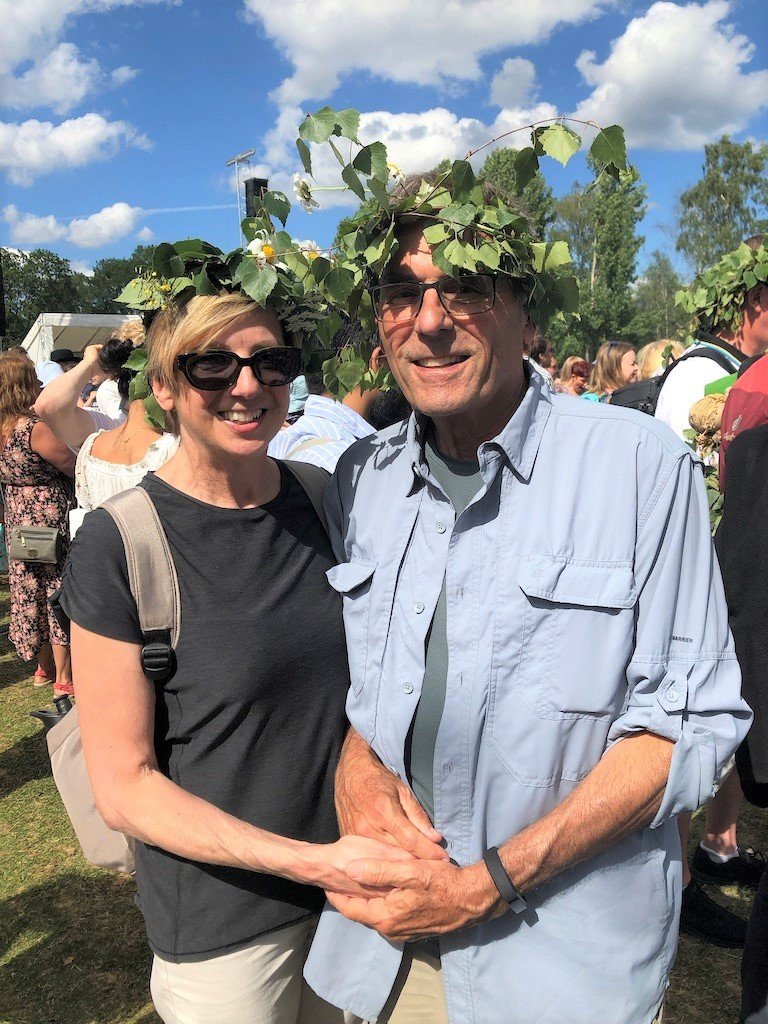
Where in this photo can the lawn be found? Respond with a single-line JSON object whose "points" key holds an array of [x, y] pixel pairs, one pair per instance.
{"points": [[72, 948]]}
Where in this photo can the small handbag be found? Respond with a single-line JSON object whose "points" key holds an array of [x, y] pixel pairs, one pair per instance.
{"points": [[35, 544]]}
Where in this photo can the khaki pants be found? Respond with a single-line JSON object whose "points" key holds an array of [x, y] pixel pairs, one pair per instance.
{"points": [[260, 984], [418, 995]]}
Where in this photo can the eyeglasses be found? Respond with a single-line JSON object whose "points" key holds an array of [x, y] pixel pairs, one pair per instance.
{"points": [[218, 369], [467, 295]]}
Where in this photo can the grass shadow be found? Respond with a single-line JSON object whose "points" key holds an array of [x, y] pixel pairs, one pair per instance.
{"points": [[79, 953], [24, 762]]}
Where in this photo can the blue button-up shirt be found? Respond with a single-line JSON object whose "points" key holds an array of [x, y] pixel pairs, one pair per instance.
{"points": [[584, 604], [321, 435]]}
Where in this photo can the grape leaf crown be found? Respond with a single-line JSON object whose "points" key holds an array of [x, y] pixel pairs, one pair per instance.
{"points": [[716, 297]]}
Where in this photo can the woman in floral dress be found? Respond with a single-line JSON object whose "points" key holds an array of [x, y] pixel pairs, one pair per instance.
{"points": [[35, 473]]}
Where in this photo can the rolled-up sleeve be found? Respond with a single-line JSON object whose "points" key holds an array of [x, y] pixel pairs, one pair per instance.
{"points": [[684, 681]]}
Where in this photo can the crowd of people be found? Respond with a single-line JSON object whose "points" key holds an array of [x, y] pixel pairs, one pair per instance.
{"points": [[429, 750]]}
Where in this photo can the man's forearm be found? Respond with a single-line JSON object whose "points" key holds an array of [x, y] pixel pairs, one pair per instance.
{"points": [[620, 795]]}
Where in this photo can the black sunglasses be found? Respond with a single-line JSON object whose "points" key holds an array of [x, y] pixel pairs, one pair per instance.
{"points": [[217, 369]]}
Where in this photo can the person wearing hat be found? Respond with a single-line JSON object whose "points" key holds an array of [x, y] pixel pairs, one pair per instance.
{"points": [[66, 358]]}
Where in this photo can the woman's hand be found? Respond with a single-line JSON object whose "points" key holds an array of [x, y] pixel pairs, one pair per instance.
{"points": [[326, 866]]}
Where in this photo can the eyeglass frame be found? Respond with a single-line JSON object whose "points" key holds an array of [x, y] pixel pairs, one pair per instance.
{"points": [[423, 287], [251, 361]]}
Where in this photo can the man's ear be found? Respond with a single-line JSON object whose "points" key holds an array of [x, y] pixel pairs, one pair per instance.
{"points": [[757, 298], [164, 396], [377, 359]]}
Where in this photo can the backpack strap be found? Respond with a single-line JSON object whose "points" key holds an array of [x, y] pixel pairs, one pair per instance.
{"points": [[152, 579], [313, 480]]}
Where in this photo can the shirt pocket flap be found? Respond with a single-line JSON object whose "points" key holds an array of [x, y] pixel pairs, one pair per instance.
{"points": [[581, 582], [347, 576]]}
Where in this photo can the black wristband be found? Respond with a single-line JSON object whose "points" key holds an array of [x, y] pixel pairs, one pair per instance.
{"points": [[507, 890]]}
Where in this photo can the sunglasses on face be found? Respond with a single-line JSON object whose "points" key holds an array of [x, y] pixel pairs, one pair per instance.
{"points": [[217, 369]]}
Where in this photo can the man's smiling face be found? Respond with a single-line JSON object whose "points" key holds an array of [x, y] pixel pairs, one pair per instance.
{"points": [[467, 366]]}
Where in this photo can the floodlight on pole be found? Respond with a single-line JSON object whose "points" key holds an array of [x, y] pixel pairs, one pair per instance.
{"points": [[236, 161]]}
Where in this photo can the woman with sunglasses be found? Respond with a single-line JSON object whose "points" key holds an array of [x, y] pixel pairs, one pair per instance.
{"points": [[225, 773]]}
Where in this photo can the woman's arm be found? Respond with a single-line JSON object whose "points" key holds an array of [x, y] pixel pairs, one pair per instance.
{"points": [[116, 706], [57, 405], [48, 447]]}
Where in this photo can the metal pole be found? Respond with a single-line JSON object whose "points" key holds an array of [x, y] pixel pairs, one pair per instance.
{"points": [[236, 161]]}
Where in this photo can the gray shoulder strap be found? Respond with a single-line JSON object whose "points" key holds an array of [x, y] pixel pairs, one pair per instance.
{"points": [[151, 572], [313, 480], [313, 442]]}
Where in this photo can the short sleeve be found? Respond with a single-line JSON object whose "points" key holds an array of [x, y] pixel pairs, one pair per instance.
{"points": [[95, 592]]}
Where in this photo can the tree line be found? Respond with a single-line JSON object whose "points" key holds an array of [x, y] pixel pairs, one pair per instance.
{"points": [[619, 300]]}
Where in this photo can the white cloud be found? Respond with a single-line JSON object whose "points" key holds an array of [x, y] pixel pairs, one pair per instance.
{"points": [[514, 84], [100, 229], [59, 77], [432, 43], [145, 235], [81, 267], [34, 148], [676, 78], [60, 80]]}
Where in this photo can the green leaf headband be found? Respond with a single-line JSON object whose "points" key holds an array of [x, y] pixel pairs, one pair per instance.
{"points": [[716, 297], [312, 292]]}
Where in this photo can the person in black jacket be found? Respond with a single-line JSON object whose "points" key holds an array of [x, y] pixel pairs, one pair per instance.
{"points": [[742, 547]]}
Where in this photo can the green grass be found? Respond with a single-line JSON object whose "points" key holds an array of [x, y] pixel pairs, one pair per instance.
{"points": [[72, 944]]}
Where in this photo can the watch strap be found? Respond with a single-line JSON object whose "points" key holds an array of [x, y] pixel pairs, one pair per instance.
{"points": [[507, 889]]}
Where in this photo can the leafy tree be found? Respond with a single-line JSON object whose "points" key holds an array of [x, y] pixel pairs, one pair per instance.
{"points": [[601, 229], [110, 276], [537, 197], [728, 204], [33, 283], [656, 315]]}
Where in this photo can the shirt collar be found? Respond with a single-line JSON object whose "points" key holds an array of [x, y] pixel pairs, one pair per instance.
{"points": [[337, 412], [518, 442]]}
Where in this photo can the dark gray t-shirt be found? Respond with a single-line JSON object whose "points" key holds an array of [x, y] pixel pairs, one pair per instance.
{"points": [[253, 719]]}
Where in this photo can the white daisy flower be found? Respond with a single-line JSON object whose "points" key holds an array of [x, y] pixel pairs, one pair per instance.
{"points": [[303, 192], [264, 252]]}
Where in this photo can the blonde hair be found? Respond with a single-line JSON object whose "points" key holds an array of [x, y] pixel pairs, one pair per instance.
{"points": [[19, 388], [705, 417], [606, 373], [650, 358], [565, 371], [131, 330], [193, 327]]}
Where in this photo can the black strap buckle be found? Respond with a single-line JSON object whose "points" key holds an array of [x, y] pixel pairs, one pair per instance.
{"points": [[158, 658]]}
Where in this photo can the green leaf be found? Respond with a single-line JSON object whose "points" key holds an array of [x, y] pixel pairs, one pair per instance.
{"points": [[560, 142], [348, 123], [319, 267], [138, 388], [203, 284], [463, 215], [135, 295], [526, 165], [155, 415], [257, 282], [372, 161], [277, 205], [349, 178], [379, 192], [488, 255], [549, 255], [609, 149], [166, 262], [137, 360], [318, 127], [350, 371], [306, 156], [463, 178], [435, 233], [339, 282], [336, 152]]}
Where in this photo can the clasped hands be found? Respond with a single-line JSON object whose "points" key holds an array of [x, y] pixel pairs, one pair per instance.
{"points": [[417, 892]]}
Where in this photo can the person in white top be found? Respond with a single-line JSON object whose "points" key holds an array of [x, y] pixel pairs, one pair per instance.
{"points": [[109, 460]]}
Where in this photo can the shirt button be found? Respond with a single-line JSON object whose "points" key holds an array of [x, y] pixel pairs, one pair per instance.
{"points": [[407, 688], [671, 695], [418, 607], [440, 527]]}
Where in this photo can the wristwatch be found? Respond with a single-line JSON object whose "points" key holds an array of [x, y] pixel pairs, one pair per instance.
{"points": [[507, 889]]}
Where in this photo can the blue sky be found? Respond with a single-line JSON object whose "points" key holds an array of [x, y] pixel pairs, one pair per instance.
{"points": [[115, 113]]}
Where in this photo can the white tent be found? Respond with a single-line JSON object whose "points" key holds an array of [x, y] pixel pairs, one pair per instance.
{"points": [[70, 330]]}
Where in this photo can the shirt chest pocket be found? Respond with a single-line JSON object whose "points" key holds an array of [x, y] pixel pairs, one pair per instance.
{"points": [[577, 632], [353, 580]]}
